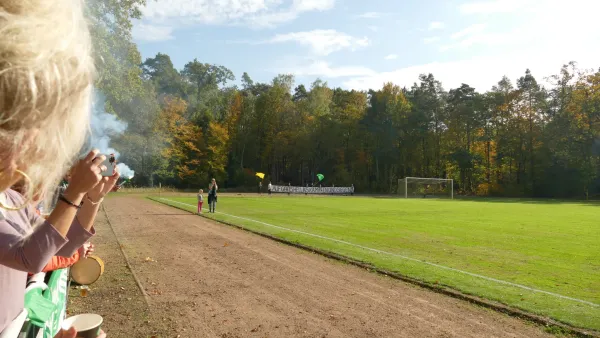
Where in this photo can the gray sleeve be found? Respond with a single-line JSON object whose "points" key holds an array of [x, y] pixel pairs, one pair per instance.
{"points": [[77, 236], [28, 253]]}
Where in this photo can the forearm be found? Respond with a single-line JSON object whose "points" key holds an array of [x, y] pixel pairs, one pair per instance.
{"points": [[63, 214], [87, 214], [77, 236]]}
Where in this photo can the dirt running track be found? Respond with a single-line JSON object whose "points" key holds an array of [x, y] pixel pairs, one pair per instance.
{"points": [[211, 280]]}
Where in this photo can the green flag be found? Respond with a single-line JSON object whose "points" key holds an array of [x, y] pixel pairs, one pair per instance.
{"points": [[57, 294], [39, 308], [321, 177]]}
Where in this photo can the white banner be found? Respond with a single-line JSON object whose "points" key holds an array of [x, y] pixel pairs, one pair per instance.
{"points": [[313, 190]]}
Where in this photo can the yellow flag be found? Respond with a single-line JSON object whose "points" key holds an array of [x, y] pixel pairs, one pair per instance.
{"points": [[261, 175]]}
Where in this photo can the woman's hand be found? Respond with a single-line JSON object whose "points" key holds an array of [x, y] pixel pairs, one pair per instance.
{"points": [[103, 187], [85, 175], [72, 333], [86, 250]]}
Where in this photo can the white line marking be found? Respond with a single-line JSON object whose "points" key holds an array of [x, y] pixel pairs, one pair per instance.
{"points": [[406, 258]]}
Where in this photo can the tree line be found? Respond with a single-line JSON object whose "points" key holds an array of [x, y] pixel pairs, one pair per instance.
{"points": [[188, 125]]}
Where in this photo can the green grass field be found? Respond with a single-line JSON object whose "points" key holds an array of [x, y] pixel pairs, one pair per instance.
{"points": [[548, 246]]}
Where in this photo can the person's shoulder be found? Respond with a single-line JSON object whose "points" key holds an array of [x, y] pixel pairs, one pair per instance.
{"points": [[13, 198]]}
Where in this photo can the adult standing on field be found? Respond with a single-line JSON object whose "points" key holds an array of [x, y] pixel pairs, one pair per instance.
{"points": [[212, 195], [270, 188], [260, 187]]}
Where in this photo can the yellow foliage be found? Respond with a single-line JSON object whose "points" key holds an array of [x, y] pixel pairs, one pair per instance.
{"points": [[183, 138]]}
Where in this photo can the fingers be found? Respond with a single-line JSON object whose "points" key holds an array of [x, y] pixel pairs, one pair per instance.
{"points": [[70, 333], [92, 155], [116, 173], [98, 160], [115, 176]]}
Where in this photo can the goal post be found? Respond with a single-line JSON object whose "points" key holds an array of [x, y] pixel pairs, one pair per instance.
{"points": [[420, 187]]}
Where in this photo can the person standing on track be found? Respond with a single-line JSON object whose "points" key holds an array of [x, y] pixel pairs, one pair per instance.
{"points": [[200, 201], [212, 195]]}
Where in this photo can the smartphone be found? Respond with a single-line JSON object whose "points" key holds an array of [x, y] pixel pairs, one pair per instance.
{"points": [[111, 164]]}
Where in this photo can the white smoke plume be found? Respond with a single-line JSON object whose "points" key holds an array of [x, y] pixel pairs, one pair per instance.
{"points": [[105, 126], [125, 171]]}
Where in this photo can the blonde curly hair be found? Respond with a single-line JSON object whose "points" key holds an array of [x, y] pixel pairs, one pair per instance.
{"points": [[46, 77]]}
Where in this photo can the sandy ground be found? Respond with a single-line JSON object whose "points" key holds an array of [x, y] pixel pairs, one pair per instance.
{"points": [[204, 279]]}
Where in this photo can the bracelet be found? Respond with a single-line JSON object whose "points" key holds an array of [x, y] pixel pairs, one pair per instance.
{"points": [[92, 202], [62, 198]]}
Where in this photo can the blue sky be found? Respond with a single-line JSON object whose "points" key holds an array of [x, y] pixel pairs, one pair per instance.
{"points": [[361, 44]]}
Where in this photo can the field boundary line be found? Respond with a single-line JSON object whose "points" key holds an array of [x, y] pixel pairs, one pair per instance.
{"points": [[127, 261], [448, 291], [491, 279]]}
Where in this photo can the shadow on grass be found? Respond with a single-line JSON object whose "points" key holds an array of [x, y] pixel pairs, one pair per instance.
{"points": [[528, 201], [182, 214], [549, 201], [592, 203]]}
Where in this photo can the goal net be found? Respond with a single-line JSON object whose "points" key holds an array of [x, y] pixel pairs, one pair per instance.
{"points": [[418, 187]]}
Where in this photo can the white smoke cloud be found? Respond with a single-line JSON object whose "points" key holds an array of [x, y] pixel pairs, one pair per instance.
{"points": [[125, 171], [105, 126]]}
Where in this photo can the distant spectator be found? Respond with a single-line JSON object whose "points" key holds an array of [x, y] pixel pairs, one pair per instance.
{"points": [[212, 195], [270, 188], [200, 200]]}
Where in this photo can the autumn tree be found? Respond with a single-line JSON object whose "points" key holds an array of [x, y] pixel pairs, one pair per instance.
{"points": [[183, 143]]}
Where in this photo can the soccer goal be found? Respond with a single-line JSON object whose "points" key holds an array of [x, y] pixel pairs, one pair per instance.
{"points": [[418, 187]]}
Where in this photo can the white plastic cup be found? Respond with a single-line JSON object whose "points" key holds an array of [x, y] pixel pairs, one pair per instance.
{"points": [[87, 325]]}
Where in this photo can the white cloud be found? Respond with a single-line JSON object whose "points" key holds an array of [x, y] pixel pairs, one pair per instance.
{"points": [[436, 25], [373, 28], [490, 7], [313, 5], [152, 33], [371, 15], [391, 57], [473, 29], [254, 13], [431, 39], [478, 35], [322, 41], [484, 72], [324, 69], [513, 47]]}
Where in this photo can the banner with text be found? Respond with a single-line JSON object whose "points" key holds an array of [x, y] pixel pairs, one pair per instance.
{"points": [[313, 190]]}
